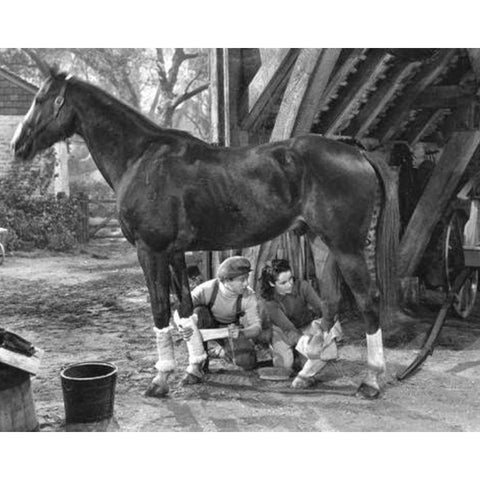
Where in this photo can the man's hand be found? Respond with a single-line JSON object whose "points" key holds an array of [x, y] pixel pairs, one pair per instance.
{"points": [[233, 331], [186, 332]]}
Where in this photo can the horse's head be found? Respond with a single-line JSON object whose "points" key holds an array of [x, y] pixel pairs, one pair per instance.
{"points": [[49, 119]]}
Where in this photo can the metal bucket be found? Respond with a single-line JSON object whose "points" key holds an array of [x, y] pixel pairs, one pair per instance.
{"points": [[88, 391]]}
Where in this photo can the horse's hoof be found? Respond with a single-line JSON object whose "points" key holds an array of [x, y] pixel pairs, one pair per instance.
{"points": [[190, 379], [300, 382], [157, 390], [368, 392]]}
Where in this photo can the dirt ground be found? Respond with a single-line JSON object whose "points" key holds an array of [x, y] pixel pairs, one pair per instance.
{"points": [[94, 306]]}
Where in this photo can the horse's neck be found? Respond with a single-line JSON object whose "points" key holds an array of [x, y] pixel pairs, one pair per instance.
{"points": [[115, 136]]}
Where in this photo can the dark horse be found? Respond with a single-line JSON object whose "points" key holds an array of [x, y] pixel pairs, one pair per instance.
{"points": [[176, 193]]}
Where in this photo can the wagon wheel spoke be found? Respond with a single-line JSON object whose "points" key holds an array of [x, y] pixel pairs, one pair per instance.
{"points": [[454, 263]]}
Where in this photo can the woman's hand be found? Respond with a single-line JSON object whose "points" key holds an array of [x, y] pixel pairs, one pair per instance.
{"points": [[293, 336]]}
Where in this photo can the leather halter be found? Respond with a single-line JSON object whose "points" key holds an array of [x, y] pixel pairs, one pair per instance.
{"points": [[59, 101]]}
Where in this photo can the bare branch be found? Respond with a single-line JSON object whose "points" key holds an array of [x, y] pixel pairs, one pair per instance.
{"points": [[185, 96], [195, 123], [177, 60], [189, 56], [41, 64], [154, 104], [189, 84], [162, 74]]}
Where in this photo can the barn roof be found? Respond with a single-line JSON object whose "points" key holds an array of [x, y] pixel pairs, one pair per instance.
{"points": [[380, 95], [18, 81], [16, 94]]}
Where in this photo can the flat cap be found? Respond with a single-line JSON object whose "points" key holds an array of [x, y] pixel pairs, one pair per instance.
{"points": [[233, 267]]}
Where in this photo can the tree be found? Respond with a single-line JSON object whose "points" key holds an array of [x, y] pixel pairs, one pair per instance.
{"points": [[168, 85]]}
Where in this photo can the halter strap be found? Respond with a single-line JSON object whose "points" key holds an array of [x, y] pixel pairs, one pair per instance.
{"points": [[59, 101]]}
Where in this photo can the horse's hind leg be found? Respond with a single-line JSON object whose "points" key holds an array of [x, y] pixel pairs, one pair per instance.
{"points": [[330, 289], [157, 275], [355, 272]]}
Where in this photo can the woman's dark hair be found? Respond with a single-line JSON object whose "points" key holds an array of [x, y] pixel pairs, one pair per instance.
{"points": [[270, 273]]}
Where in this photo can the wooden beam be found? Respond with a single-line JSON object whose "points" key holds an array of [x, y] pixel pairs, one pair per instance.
{"points": [[400, 112], [421, 124], [380, 98], [275, 69], [437, 194], [340, 75], [232, 60], [304, 91], [217, 99], [445, 96], [367, 72]]}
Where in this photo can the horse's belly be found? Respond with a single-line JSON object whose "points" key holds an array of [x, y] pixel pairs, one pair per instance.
{"points": [[232, 234]]}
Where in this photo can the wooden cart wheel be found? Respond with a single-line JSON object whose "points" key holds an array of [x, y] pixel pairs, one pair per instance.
{"points": [[455, 262]]}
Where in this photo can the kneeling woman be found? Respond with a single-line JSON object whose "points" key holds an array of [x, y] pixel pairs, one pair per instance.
{"points": [[293, 310]]}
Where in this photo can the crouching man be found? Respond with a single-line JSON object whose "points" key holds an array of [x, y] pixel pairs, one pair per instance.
{"points": [[226, 301]]}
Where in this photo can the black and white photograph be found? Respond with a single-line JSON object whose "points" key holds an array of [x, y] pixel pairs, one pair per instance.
{"points": [[217, 239]]}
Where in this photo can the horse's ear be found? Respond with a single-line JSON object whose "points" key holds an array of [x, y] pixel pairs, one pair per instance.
{"points": [[56, 74], [53, 70]]}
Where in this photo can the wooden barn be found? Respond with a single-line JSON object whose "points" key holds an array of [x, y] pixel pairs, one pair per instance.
{"points": [[16, 96], [418, 103]]}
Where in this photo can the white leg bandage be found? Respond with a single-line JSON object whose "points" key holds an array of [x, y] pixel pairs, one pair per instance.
{"points": [[166, 359], [196, 352], [375, 358]]}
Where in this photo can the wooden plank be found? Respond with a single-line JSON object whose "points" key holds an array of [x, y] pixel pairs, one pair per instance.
{"points": [[421, 124], [400, 112], [377, 102], [315, 91], [340, 74], [367, 72], [444, 180], [295, 92], [22, 362], [213, 333], [276, 66], [234, 136], [217, 99]]}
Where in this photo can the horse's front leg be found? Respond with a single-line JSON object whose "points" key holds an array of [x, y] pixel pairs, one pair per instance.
{"points": [[195, 345], [157, 275], [181, 284]]}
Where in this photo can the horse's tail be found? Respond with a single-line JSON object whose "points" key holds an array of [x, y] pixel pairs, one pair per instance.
{"points": [[387, 239]]}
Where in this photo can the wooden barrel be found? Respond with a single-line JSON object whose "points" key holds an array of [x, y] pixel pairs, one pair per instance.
{"points": [[17, 410]]}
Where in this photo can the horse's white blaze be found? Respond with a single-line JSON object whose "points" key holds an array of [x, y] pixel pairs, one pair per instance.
{"points": [[375, 358], [166, 358], [16, 135], [19, 128]]}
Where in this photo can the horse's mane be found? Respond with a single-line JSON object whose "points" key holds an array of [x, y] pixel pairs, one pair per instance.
{"points": [[134, 115]]}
